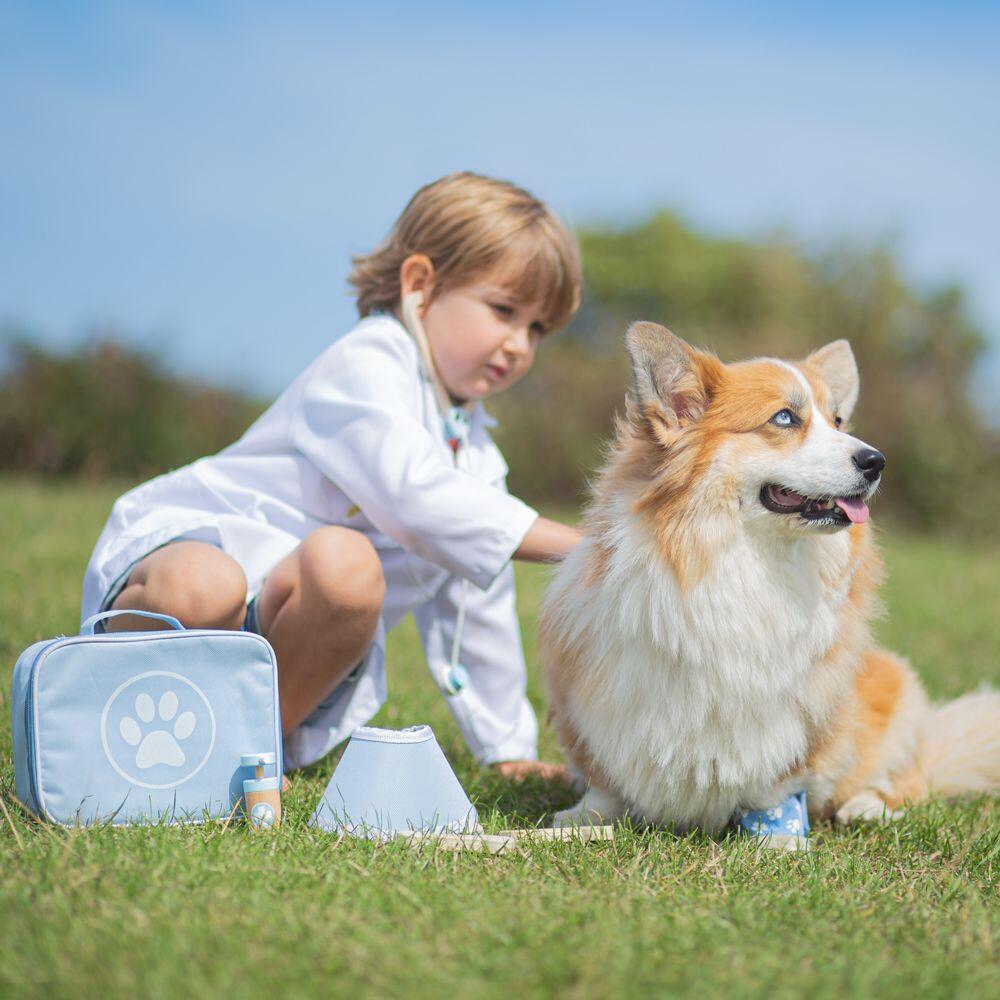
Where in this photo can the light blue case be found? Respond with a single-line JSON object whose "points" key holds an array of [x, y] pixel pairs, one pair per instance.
{"points": [[132, 727]]}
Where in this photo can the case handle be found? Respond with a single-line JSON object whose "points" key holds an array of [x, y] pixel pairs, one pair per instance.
{"points": [[87, 628]]}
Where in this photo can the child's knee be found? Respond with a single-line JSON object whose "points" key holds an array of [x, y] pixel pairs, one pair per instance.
{"points": [[344, 569], [203, 589]]}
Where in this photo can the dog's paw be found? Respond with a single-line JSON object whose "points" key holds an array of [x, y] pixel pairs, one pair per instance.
{"points": [[575, 816], [866, 807], [596, 808]]}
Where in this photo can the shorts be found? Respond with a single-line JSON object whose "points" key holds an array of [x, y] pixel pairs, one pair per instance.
{"points": [[251, 621]]}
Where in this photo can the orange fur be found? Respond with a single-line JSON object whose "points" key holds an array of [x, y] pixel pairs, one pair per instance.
{"points": [[821, 394], [878, 687]]}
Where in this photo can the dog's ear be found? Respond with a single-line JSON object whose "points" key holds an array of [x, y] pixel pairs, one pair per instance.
{"points": [[838, 369], [669, 378]]}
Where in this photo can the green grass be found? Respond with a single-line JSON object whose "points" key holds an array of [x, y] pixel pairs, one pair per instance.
{"points": [[907, 909]]}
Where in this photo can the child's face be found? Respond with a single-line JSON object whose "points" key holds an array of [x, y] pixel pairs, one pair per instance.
{"points": [[483, 338]]}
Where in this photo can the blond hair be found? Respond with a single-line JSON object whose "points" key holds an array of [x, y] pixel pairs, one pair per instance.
{"points": [[470, 226]]}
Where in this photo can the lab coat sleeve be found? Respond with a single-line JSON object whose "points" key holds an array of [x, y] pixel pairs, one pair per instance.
{"points": [[357, 418], [492, 710]]}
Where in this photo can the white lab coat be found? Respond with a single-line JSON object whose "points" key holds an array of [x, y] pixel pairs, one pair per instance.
{"points": [[356, 441]]}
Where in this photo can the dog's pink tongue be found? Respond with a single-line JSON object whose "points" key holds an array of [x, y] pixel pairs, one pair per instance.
{"points": [[854, 507]]}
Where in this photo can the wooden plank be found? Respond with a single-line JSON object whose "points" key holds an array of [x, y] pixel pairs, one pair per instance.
{"points": [[480, 843], [581, 833], [496, 843]]}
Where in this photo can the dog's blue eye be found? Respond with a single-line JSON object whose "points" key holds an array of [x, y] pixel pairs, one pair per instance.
{"points": [[783, 418]]}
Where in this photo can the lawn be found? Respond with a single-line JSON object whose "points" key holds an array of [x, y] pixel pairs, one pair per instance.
{"points": [[896, 911]]}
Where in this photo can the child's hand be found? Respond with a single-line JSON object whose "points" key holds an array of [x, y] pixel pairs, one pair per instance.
{"points": [[518, 770]]}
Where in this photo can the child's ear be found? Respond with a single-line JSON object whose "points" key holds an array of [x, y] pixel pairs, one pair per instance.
{"points": [[416, 274], [671, 382], [838, 369]]}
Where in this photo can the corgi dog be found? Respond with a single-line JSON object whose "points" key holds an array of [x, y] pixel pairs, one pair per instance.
{"points": [[707, 646]]}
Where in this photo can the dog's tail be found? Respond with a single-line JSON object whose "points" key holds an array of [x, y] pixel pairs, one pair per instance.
{"points": [[960, 746]]}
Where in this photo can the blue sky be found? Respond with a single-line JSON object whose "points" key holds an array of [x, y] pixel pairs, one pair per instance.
{"points": [[198, 174]]}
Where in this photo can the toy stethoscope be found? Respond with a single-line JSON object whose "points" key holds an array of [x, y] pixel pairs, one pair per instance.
{"points": [[455, 423]]}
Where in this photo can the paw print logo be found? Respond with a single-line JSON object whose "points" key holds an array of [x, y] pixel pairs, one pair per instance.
{"points": [[157, 729], [775, 813], [162, 745]]}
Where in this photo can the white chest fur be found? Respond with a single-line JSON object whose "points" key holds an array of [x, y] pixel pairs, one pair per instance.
{"points": [[697, 703]]}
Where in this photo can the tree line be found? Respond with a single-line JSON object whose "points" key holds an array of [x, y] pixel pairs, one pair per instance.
{"points": [[106, 409]]}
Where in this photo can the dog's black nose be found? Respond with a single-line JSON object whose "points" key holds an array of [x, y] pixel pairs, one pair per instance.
{"points": [[870, 463]]}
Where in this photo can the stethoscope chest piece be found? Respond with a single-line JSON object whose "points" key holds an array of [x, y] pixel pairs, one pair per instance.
{"points": [[457, 679]]}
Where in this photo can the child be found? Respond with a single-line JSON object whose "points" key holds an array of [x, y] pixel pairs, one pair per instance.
{"points": [[371, 487]]}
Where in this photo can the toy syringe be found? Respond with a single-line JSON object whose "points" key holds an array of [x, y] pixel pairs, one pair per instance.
{"points": [[261, 796]]}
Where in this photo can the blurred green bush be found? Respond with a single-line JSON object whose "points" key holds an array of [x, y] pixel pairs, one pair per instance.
{"points": [[106, 409], [916, 351]]}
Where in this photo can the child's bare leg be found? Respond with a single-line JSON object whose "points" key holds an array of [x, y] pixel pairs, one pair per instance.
{"points": [[319, 609], [195, 582]]}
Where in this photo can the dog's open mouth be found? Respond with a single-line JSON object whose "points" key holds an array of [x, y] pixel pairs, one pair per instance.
{"points": [[827, 510]]}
